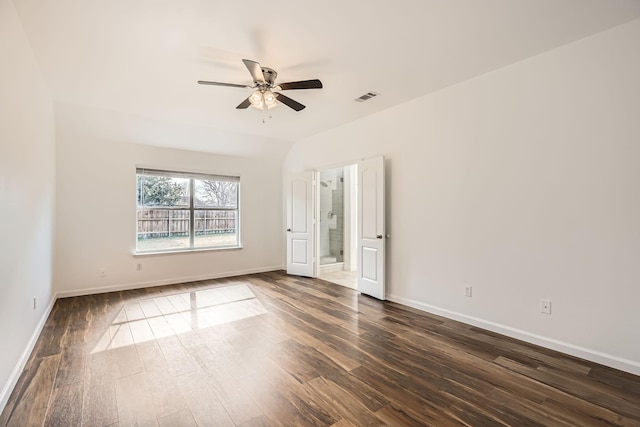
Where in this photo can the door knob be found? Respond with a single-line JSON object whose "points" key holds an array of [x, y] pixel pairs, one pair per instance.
{"points": [[379, 236], [288, 229]]}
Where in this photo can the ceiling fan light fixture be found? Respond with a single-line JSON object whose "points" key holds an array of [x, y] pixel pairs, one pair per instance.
{"points": [[263, 100], [269, 98], [257, 100]]}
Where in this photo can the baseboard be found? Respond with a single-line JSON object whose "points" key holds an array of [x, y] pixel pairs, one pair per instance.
{"points": [[172, 281], [550, 343], [24, 358]]}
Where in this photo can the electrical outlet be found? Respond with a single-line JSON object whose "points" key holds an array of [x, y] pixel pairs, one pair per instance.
{"points": [[545, 306], [139, 266], [467, 291], [102, 273]]}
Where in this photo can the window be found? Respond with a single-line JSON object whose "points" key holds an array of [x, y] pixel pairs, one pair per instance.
{"points": [[178, 211]]}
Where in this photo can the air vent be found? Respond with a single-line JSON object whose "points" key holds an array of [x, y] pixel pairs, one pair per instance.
{"points": [[367, 96]]}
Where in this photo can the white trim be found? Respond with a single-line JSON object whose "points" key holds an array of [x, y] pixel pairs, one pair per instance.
{"points": [[194, 171], [187, 251], [187, 175], [172, 281], [550, 343], [24, 358]]}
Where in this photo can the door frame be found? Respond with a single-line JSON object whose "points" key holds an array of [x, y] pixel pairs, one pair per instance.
{"points": [[316, 206], [357, 253], [317, 210]]}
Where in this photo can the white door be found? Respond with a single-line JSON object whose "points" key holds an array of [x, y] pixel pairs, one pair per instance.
{"points": [[371, 233], [300, 225]]}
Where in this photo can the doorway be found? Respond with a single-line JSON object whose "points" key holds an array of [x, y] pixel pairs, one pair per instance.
{"points": [[337, 225], [362, 207]]}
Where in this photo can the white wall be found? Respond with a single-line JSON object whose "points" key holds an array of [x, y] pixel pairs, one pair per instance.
{"points": [[27, 179], [524, 184], [96, 205]]}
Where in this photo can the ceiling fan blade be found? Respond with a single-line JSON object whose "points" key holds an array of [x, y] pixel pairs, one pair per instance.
{"points": [[255, 69], [289, 102], [304, 84], [244, 104], [202, 82]]}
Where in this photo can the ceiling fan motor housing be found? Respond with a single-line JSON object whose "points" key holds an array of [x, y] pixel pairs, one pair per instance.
{"points": [[269, 76]]}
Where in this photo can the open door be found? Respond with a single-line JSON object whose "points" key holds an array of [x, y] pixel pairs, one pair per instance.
{"points": [[371, 232], [300, 225]]}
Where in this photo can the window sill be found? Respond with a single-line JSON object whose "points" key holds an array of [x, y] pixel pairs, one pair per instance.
{"points": [[186, 251]]}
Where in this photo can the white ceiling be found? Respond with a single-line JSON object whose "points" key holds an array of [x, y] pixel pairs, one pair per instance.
{"points": [[143, 57]]}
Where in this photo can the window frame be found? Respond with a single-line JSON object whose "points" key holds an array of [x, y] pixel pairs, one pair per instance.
{"points": [[191, 208]]}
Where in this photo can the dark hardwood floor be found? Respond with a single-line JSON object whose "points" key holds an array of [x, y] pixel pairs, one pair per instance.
{"points": [[270, 349]]}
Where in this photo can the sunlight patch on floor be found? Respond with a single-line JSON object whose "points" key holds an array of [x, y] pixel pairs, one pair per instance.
{"points": [[160, 317]]}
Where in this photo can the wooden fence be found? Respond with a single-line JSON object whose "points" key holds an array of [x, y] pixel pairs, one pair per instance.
{"points": [[153, 223]]}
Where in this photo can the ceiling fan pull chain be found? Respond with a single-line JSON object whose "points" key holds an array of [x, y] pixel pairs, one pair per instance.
{"points": [[265, 115]]}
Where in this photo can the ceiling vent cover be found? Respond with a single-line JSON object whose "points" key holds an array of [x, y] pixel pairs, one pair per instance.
{"points": [[367, 96]]}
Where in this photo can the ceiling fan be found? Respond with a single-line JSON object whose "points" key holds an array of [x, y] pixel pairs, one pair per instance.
{"points": [[267, 92]]}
